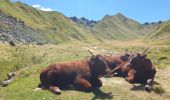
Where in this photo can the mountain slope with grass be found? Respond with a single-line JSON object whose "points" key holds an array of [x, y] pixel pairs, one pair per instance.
{"points": [[120, 27], [53, 26], [161, 34]]}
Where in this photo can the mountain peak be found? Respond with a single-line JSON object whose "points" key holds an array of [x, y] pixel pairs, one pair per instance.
{"points": [[83, 21], [119, 15]]}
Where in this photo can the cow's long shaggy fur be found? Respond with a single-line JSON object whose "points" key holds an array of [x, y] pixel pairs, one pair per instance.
{"points": [[83, 74], [137, 68]]}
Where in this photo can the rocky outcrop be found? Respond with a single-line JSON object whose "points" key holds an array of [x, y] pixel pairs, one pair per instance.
{"points": [[83, 21], [12, 29]]}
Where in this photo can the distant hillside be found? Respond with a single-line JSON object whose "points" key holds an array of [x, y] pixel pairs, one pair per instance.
{"points": [[151, 26], [119, 27], [161, 34], [83, 21], [53, 26]]}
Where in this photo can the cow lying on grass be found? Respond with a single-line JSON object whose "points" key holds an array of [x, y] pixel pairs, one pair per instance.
{"points": [[83, 74], [138, 68]]}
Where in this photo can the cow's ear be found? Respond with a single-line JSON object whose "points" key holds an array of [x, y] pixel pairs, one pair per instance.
{"points": [[144, 56]]}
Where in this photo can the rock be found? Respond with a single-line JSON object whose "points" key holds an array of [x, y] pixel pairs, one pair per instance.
{"points": [[83, 21], [7, 82], [15, 30], [11, 77]]}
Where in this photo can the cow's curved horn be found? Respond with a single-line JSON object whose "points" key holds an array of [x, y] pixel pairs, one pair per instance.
{"points": [[90, 52], [146, 50], [126, 50]]}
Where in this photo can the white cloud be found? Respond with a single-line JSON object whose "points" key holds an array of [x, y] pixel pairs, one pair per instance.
{"points": [[37, 6], [46, 9]]}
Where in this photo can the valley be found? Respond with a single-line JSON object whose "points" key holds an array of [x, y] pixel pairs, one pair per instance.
{"points": [[46, 37]]}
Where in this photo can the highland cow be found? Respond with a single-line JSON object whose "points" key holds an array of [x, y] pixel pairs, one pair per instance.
{"points": [[137, 68], [83, 74]]}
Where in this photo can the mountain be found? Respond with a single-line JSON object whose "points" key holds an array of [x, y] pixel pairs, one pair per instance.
{"points": [[83, 21], [161, 34], [119, 27], [151, 26], [54, 27]]}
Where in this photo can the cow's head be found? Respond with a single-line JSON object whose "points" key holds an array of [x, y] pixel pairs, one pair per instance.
{"points": [[98, 65], [139, 64], [126, 55], [136, 60]]}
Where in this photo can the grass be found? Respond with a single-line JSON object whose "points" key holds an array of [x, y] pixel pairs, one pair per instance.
{"points": [[158, 89], [31, 59]]}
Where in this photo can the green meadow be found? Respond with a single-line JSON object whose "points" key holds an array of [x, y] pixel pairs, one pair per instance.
{"points": [[29, 60]]}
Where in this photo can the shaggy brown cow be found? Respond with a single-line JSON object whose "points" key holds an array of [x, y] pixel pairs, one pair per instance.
{"points": [[138, 69], [83, 74]]}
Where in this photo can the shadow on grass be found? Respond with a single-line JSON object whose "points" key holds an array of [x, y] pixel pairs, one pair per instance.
{"points": [[138, 87], [99, 94], [142, 86], [156, 88]]}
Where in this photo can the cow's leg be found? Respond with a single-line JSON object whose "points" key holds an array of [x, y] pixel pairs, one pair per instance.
{"points": [[150, 81], [131, 76], [148, 85], [96, 83], [55, 89], [82, 84]]}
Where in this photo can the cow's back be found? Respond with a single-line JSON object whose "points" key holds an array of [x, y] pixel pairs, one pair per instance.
{"points": [[62, 74]]}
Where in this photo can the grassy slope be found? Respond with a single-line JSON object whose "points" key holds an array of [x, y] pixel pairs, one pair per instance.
{"points": [[54, 25], [120, 27], [28, 76], [161, 35]]}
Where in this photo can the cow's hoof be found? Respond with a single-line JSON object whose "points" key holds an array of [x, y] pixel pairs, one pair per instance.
{"points": [[57, 91], [148, 88]]}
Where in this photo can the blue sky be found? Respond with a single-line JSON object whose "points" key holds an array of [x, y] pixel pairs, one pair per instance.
{"points": [[140, 10]]}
